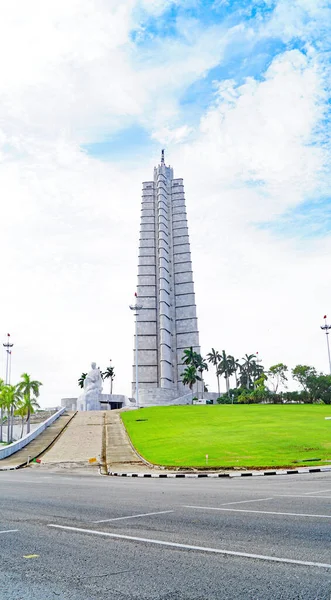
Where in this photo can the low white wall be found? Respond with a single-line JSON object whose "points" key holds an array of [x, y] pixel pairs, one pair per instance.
{"points": [[24, 441]]}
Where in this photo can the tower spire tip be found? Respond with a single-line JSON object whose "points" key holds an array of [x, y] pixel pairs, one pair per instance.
{"points": [[162, 157]]}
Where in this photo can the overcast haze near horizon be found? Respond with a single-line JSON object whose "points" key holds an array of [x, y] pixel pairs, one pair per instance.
{"points": [[238, 94]]}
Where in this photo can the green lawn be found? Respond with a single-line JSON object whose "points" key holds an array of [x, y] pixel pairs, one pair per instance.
{"points": [[232, 436]]}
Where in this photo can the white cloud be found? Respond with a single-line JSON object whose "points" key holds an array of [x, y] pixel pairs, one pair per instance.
{"points": [[172, 136], [299, 19], [70, 73], [260, 133]]}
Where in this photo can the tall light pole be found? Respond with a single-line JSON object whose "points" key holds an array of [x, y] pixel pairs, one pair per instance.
{"points": [[136, 308], [326, 328], [8, 346]]}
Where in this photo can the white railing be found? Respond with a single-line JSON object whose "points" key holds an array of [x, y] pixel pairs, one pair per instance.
{"points": [[25, 440]]}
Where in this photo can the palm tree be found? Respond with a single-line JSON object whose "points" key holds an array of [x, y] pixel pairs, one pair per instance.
{"points": [[29, 406], [190, 357], [109, 374], [190, 377], [21, 412], [224, 369], [27, 386], [214, 357], [81, 380], [11, 396], [201, 367], [234, 365], [246, 370]]}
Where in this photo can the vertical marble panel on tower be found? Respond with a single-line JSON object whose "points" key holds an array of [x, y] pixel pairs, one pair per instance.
{"points": [[167, 323]]}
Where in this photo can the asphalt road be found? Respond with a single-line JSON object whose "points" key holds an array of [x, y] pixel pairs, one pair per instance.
{"points": [[87, 537]]}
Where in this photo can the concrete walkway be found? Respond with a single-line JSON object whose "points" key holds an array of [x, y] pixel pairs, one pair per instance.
{"points": [[120, 455], [80, 442], [37, 446]]}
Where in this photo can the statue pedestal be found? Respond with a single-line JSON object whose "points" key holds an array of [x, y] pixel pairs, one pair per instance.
{"points": [[89, 401], [98, 401]]}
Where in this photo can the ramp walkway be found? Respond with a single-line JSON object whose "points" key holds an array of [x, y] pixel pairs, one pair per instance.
{"points": [[120, 455], [80, 442], [38, 445]]}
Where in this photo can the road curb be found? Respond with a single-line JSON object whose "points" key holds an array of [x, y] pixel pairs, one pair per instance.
{"points": [[300, 471]]}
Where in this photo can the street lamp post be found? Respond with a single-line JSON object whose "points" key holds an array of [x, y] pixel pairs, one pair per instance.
{"points": [[136, 308], [8, 346], [326, 328]]}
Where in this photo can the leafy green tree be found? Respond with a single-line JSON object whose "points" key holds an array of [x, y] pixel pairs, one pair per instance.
{"points": [[277, 375], [319, 387], [82, 379], [301, 373], [214, 358], [190, 377], [27, 387], [244, 397], [294, 396], [257, 372], [109, 373]]}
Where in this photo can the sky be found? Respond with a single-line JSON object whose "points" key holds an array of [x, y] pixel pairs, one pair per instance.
{"points": [[238, 94]]}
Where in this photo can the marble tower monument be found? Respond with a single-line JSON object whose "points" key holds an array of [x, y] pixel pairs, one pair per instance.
{"points": [[167, 321]]}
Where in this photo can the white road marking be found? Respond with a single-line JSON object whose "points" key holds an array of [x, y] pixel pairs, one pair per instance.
{"points": [[245, 501], [321, 492], [19, 480], [190, 547], [299, 496], [9, 531], [161, 512], [259, 512]]}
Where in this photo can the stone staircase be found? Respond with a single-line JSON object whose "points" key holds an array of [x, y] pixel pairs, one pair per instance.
{"points": [[79, 444]]}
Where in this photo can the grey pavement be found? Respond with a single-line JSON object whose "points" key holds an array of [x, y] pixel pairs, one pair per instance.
{"points": [[90, 537]]}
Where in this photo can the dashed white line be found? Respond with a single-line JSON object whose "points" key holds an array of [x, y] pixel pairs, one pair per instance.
{"points": [[259, 512], [300, 496], [190, 547], [161, 512], [9, 531], [320, 492], [246, 501]]}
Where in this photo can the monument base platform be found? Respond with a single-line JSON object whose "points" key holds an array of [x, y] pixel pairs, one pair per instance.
{"points": [[96, 402], [157, 396]]}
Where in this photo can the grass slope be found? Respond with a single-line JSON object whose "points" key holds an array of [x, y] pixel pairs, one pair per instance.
{"points": [[232, 436]]}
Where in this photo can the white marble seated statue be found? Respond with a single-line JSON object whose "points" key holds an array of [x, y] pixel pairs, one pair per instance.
{"points": [[93, 380], [90, 399]]}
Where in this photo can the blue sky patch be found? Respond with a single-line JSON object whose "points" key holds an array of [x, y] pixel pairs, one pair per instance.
{"points": [[127, 142], [311, 219]]}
